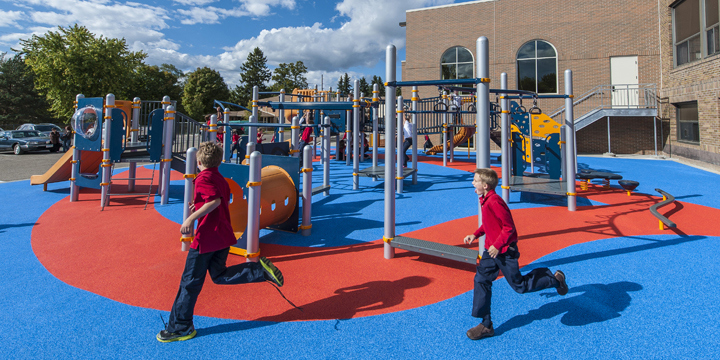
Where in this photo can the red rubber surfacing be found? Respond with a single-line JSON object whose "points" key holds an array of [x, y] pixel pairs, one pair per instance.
{"points": [[133, 256]]}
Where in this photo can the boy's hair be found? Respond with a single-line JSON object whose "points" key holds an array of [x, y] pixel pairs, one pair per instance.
{"points": [[488, 176], [210, 154]]}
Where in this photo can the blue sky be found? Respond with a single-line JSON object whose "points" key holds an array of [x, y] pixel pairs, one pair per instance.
{"points": [[330, 37]]}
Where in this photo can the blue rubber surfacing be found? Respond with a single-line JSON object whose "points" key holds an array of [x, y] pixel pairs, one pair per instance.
{"points": [[632, 297]]}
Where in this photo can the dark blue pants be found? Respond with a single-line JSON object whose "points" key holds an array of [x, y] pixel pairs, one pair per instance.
{"points": [[487, 272], [406, 145], [193, 277]]}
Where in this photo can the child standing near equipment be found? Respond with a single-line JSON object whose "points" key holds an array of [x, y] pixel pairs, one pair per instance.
{"points": [[501, 253], [210, 247]]}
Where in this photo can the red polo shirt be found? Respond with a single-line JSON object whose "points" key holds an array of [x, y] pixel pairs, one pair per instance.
{"points": [[214, 231], [497, 222]]}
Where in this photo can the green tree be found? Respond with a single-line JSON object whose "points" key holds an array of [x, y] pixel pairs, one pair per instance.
{"points": [[253, 72], [19, 102], [381, 85], [290, 76], [72, 60], [154, 82], [365, 88], [343, 86], [202, 87]]}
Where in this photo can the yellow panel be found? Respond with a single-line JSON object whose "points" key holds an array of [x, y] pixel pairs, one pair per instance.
{"points": [[543, 125]]}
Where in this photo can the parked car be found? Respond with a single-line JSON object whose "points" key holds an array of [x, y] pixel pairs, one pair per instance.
{"points": [[20, 141], [44, 128]]}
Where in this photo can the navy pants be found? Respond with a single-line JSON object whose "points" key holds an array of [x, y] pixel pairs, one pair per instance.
{"points": [[193, 277], [487, 272], [406, 145]]}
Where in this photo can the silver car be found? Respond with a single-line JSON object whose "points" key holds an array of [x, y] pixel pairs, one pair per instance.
{"points": [[20, 141]]}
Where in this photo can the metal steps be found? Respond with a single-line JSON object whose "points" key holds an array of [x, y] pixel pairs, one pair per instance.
{"points": [[456, 253]]}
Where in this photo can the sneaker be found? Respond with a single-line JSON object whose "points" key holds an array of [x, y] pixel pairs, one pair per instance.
{"points": [[272, 273], [562, 289], [480, 332], [166, 336]]}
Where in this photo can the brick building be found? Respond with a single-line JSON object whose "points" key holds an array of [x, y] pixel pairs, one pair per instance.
{"points": [[619, 51], [690, 78]]}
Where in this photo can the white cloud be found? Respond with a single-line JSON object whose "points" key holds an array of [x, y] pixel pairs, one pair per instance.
{"points": [[198, 15], [213, 15], [194, 2], [10, 18]]}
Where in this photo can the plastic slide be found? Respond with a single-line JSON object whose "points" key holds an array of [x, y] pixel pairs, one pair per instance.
{"points": [[61, 171], [461, 137]]}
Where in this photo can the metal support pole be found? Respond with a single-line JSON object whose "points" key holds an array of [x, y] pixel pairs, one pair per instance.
{"points": [[249, 149], [570, 141], [414, 100], [306, 226], [167, 152], [294, 134], [655, 134], [227, 136], [326, 155], [444, 130], [355, 133], [608, 132], [348, 135], [389, 220], [482, 118], [505, 139], [375, 136], [132, 167], [190, 171], [400, 138], [74, 189], [106, 166], [563, 150], [161, 182], [281, 117], [252, 131], [253, 200]]}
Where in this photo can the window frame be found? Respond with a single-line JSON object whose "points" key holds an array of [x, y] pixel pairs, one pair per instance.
{"points": [[702, 34], [456, 63], [678, 121], [535, 59]]}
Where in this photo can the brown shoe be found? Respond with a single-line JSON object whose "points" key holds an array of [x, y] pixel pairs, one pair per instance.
{"points": [[480, 332], [562, 289]]}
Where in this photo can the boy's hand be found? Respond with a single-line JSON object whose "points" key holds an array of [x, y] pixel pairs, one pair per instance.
{"points": [[493, 252], [469, 239], [186, 228]]}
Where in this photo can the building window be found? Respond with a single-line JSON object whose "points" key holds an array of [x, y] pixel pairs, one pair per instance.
{"points": [[696, 31], [537, 67], [457, 63], [687, 122]]}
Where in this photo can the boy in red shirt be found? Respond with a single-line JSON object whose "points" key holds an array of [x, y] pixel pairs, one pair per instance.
{"points": [[501, 253], [210, 247]]}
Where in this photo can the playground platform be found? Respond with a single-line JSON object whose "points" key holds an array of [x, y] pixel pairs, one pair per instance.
{"points": [[81, 283]]}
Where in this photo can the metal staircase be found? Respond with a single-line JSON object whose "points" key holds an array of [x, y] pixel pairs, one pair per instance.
{"points": [[612, 100]]}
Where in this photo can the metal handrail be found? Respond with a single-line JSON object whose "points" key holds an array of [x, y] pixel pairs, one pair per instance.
{"points": [[667, 199], [617, 96], [188, 133]]}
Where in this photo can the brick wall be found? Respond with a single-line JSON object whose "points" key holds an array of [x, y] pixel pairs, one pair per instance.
{"points": [[696, 81], [585, 34]]}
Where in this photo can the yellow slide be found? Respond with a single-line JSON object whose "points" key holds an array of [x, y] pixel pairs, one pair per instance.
{"points": [[61, 171], [461, 137]]}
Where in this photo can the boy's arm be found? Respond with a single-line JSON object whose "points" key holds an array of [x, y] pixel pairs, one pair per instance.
{"points": [[508, 225], [202, 211], [470, 238]]}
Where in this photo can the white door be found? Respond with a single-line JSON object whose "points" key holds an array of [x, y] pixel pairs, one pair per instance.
{"points": [[624, 79]]}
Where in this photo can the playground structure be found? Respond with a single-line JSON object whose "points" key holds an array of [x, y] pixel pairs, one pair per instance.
{"points": [[482, 123]]}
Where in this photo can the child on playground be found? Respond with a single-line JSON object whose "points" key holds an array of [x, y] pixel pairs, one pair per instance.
{"points": [[210, 247], [501, 253]]}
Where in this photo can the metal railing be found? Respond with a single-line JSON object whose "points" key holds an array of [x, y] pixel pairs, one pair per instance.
{"points": [[146, 107], [188, 133], [629, 96]]}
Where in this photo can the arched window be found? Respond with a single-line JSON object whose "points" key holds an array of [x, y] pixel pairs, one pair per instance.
{"points": [[457, 63], [537, 67]]}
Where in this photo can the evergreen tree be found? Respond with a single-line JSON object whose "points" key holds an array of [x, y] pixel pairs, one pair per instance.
{"points": [[73, 61], [343, 86], [19, 102], [365, 88], [381, 85], [202, 87], [253, 72]]}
